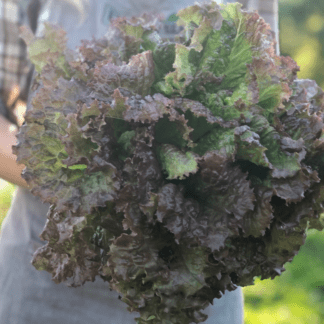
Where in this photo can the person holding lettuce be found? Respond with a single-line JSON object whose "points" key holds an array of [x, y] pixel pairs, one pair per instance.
{"points": [[27, 295]]}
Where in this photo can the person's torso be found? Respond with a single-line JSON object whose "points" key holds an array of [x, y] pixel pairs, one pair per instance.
{"points": [[99, 13]]}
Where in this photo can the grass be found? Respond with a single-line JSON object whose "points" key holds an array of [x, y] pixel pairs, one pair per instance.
{"points": [[6, 192], [297, 296]]}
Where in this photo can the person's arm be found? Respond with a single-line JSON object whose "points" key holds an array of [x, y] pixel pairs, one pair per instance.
{"points": [[13, 69], [10, 170]]}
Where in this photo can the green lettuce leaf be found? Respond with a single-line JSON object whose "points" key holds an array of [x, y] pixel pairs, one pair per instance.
{"points": [[176, 162]]}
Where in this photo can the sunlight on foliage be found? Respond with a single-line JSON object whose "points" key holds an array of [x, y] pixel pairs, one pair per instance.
{"points": [[301, 28], [315, 23], [307, 58]]}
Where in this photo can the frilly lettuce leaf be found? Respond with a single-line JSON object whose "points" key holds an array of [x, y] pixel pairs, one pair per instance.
{"points": [[176, 162]]}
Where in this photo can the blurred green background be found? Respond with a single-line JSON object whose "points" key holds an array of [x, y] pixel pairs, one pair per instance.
{"points": [[297, 296]]}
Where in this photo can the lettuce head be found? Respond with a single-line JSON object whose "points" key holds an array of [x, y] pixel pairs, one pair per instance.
{"points": [[175, 170]]}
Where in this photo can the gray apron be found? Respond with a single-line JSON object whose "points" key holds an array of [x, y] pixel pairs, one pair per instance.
{"points": [[29, 296]]}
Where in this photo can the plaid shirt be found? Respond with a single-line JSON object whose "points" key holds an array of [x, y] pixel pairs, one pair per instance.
{"points": [[15, 68]]}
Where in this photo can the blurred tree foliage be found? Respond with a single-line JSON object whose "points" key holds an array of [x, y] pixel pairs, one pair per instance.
{"points": [[301, 24], [297, 296]]}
